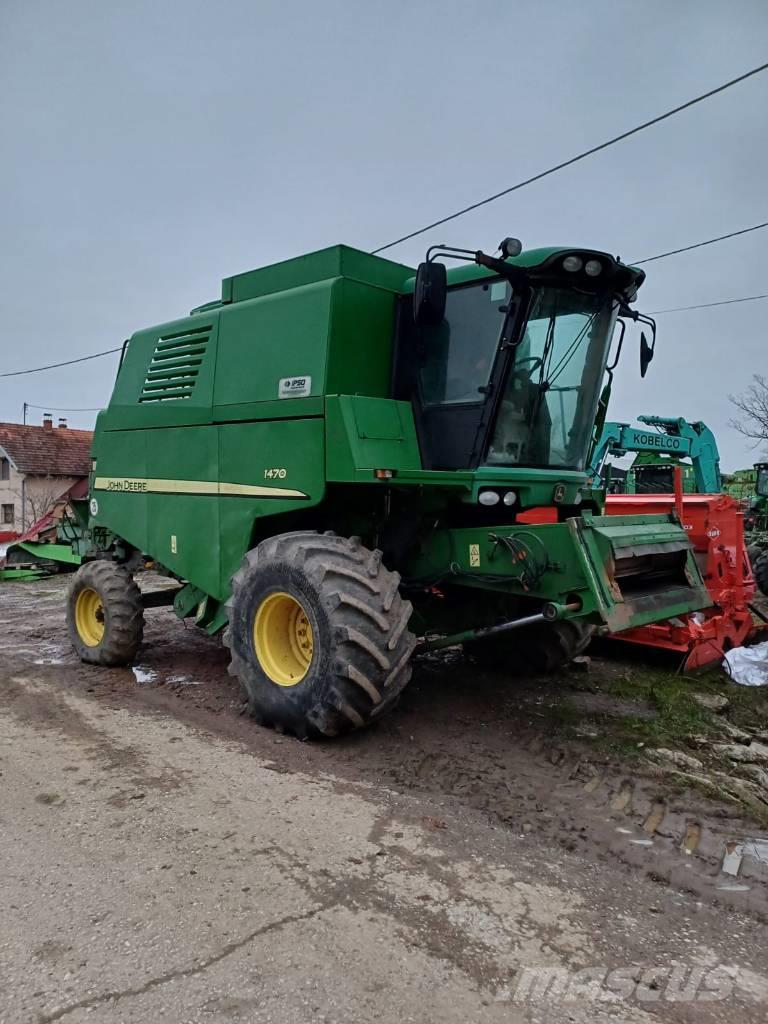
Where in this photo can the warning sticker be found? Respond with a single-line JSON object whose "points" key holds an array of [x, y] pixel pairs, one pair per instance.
{"points": [[474, 555]]}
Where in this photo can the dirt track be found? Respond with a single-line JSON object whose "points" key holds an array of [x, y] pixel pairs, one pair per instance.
{"points": [[461, 735], [469, 760]]}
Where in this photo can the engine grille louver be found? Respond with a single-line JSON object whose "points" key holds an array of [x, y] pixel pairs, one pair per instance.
{"points": [[175, 365]]}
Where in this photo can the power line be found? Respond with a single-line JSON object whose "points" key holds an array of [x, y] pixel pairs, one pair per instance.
{"points": [[67, 362], [698, 245], [59, 408], [575, 159], [634, 263], [706, 305]]}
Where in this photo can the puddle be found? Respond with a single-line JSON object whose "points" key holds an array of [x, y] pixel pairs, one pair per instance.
{"points": [[757, 848], [144, 675], [184, 681]]}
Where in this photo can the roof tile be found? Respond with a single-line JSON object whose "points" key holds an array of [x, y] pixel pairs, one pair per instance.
{"points": [[59, 451]]}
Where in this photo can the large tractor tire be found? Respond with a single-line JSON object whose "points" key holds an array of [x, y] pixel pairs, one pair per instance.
{"points": [[540, 649], [760, 572], [318, 634], [754, 551], [105, 616]]}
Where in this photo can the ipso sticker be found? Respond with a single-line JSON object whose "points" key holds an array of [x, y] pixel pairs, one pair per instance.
{"points": [[294, 387]]}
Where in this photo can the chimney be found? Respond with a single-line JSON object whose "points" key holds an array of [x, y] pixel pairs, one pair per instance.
{"points": [[47, 421], [62, 422]]}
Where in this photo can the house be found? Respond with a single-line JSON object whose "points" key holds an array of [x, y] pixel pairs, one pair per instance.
{"points": [[38, 464]]}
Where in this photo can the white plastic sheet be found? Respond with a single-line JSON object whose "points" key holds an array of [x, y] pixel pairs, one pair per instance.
{"points": [[748, 665]]}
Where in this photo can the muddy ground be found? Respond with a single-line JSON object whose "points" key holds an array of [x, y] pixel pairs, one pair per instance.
{"points": [[164, 858], [616, 759]]}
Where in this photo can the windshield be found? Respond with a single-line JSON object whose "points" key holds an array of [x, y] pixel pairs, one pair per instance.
{"points": [[547, 412], [458, 354], [761, 486]]}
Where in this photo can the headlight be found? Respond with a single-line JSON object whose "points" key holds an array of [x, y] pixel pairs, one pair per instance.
{"points": [[573, 263], [488, 498], [510, 498], [577, 498], [592, 268]]}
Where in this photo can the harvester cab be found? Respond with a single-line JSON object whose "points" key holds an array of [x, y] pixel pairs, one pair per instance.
{"points": [[343, 460], [756, 526], [761, 479], [756, 516]]}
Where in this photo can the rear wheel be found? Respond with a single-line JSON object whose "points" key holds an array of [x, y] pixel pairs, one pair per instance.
{"points": [[760, 572], [105, 616], [541, 649], [318, 634], [754, 551]]}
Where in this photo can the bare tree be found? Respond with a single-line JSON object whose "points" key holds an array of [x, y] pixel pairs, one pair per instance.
{"points": [[39, 496], [752, 406]]}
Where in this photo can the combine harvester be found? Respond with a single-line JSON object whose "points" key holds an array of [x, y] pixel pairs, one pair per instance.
{"points": [[750, 487], [714, 523], [756, 526], [343, 461]]}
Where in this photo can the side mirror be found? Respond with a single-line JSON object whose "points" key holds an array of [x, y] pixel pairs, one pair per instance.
{"points": [[646, 354], [429, 295]]}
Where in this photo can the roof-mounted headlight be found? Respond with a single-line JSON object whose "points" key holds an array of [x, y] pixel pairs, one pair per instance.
{"points": [[573, 264], [592, 268]]}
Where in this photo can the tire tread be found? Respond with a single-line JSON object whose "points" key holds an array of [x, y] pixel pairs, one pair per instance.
{"points": [[370, 663]]}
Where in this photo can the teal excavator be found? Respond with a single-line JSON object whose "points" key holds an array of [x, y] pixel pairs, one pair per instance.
{"points": [[661, 444]]}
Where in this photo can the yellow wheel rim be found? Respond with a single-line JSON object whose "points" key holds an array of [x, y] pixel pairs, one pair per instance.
{"points": [[282, 639], [89, 617]]}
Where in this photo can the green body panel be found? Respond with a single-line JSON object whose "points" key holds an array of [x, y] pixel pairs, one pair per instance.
{"points": [[126, 410], [296, 322], [190, 499], [578, 560], [741, 484], [21, 575], [265, 411], [365, 434], [663, 462], [323, 265], [63, 553]]}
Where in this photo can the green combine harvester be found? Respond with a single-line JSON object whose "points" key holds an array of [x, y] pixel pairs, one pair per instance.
{"points": [[344, 461], [756, 527], [756, 517], [740, 485], [750, 487]]}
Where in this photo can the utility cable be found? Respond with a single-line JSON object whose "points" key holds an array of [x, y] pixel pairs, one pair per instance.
{"points": [[575, 159], [59, 408], [67, 362], [698, 245], [706, 305]]}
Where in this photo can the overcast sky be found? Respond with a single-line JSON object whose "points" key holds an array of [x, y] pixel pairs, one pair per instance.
{"points": [[151, 148]]}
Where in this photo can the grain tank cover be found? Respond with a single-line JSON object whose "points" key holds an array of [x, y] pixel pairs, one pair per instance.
{"points": [[323, 265]]}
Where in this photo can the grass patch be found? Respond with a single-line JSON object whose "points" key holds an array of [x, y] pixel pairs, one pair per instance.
{"points": [[678, 721], [596, 709]]}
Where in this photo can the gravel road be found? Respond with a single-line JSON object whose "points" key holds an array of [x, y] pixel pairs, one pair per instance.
{"points": [[163, 858]]}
